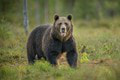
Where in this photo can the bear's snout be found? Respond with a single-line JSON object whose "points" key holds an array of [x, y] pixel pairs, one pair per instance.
{"points": [[63, 30]]}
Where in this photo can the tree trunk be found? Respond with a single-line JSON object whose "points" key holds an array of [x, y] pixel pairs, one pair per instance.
{"points": [[37, 12], [70, 5], [99, 6], [46, 11], [56, 7], [25, 16]]}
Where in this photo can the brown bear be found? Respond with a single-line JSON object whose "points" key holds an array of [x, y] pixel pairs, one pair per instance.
{"points": [[50, 41]]}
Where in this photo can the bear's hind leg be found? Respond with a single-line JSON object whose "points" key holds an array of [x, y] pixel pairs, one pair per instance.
{"points": [[40, 54], [31, 57]]}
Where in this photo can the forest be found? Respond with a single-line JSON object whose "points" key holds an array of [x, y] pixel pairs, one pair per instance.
{"points": [[96, 31]]}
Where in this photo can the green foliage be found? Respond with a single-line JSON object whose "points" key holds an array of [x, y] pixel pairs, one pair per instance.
{"points": [[84, 58], [8, 73], [85, 8], [4, 31]]}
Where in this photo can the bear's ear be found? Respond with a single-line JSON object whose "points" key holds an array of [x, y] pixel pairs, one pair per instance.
{"points": [[56, 17], [69, 17]]}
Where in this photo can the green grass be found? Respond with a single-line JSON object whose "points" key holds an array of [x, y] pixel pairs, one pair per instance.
{"points": [[99, 61]]}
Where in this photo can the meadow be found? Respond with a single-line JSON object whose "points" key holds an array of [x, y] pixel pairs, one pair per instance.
{"points": [[98, 46]]}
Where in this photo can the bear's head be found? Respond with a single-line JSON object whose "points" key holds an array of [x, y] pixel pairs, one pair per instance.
{"points": [[62, 28]]}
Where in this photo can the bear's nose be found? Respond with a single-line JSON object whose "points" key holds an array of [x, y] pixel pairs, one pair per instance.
{"points": [[63, 30]]}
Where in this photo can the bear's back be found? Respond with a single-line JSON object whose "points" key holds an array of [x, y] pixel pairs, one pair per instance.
{"points": [[35, 38], [40, 30]]}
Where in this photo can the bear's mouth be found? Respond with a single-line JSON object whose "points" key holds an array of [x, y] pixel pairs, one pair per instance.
{"points": [[63, 32]]}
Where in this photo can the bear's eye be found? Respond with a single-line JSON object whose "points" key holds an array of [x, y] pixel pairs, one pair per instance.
{"points": [[66, 24], [59, 23]]}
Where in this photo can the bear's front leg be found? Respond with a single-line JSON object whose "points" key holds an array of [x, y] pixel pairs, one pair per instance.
{"points": [[72, 58], [52, 58]]}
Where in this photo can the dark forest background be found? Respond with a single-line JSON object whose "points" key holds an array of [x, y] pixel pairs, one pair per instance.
{"points": [[42, 11]]}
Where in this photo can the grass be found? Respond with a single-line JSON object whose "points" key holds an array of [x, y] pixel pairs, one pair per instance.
{"points": [[98, 48]]}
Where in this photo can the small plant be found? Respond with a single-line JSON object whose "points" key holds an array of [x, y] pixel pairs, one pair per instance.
{"points": [[84, 58]]}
